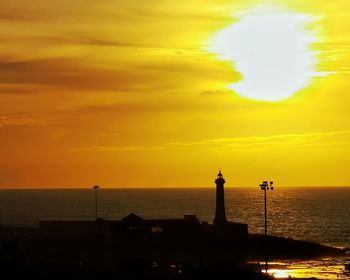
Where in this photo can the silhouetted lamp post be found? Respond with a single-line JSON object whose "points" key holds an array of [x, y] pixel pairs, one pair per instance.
{"points": [[265, 186], [96, 188]]}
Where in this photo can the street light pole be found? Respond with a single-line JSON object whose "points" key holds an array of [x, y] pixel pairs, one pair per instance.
{"points": [[265, 186], [95, 187]]}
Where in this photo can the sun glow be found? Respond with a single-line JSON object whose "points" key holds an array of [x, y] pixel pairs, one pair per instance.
{"points": [[279, 273], [270, 47]]}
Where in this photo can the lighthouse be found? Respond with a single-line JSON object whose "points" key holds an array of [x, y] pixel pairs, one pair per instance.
{"points": [[220, 216]]}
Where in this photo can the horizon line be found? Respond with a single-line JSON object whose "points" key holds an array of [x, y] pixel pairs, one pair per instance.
{"points": [[168, 187]]}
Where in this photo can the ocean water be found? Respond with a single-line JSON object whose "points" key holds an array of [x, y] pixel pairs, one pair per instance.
{"points": [[314, 214]]}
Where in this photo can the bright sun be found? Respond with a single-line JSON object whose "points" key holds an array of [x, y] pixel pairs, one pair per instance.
{"points": [[270, 47]]}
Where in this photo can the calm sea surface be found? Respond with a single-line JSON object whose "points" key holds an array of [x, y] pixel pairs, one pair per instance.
{"points": [[315, 214]]}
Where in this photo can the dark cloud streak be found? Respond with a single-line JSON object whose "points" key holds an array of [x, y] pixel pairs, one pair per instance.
{"points": [[72, 74]]}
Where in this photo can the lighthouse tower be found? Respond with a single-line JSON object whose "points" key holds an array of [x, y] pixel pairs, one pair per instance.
{"points": [[220, 216]]}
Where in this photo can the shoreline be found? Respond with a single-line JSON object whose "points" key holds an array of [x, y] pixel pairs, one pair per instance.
{"points": [[280, 248], [254, 238], [283, 248]]}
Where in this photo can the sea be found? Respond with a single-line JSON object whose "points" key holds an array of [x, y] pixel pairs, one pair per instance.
{"points": [[316, 214]]}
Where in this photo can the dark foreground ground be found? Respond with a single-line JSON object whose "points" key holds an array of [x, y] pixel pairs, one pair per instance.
{"points": [[139, 269], [31, 254], [66, 271]]}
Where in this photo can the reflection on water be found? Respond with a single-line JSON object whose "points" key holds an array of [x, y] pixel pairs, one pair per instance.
{"points": [[319, 269]]}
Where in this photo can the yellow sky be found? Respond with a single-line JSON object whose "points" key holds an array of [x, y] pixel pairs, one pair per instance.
{"points": [[126, 94]]}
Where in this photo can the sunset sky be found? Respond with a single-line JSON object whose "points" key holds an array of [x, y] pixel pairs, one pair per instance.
{"points": [[158, 93]]}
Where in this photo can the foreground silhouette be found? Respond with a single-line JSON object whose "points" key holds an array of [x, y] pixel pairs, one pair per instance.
{"points": [[137, 248]]}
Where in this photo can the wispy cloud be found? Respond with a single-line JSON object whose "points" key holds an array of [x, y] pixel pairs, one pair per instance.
{"points": [[117, 148], [19, 14], [308, 139], [20, 120], [283, 139], [73, 74]]}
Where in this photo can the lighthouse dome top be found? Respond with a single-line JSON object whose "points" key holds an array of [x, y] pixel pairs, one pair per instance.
{"points": [[220, 175]]}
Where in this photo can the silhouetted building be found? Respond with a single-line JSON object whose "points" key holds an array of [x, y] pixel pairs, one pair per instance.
{"points": [[138, 248], [134, 245], [220, 216]]}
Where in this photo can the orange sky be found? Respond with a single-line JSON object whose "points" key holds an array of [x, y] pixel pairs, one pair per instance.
{"points": [[127, 94]]}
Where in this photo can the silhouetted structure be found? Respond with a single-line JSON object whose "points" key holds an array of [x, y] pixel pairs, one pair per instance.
{"points": [[96, 187], [265, 186], [138, 248], [220, 216]]}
